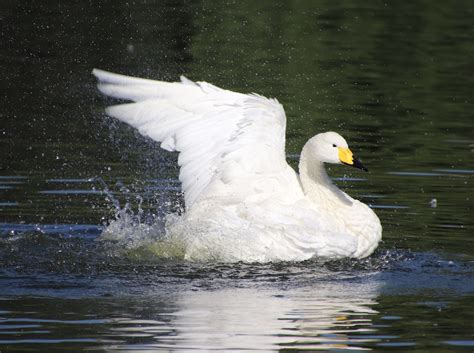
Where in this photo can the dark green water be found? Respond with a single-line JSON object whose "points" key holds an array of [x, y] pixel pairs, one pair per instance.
{"points": [[394, 78]]}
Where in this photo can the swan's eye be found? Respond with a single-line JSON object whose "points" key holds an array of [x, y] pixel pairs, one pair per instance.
{"points": [[334, 145]]}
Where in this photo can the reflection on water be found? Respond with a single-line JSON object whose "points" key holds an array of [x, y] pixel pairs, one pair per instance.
{"points": [[248, 319], [336, 306], [323, 317], [318, 317]]}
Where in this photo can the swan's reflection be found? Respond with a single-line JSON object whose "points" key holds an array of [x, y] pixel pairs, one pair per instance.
{"points": [[335, 315]]}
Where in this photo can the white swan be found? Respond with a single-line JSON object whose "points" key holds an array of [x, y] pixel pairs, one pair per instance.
{"points": [[243, 201]]}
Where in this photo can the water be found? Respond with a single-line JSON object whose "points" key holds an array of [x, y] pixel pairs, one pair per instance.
{"points": [[395, 79]]}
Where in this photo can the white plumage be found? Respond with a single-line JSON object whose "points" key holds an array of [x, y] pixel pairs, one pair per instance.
{"points": [[243, 201]]}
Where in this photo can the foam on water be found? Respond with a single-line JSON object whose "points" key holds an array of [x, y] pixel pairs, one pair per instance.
{"points": [[138, 233], [129, 234]]}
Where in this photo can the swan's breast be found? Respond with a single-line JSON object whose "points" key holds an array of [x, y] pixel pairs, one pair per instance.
{"points": [[362, 221]]}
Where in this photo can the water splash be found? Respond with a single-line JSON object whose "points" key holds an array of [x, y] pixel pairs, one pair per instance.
{"points": [[137, 232]]}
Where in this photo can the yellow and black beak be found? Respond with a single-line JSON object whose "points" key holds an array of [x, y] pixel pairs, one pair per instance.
{"points": [[346, 157]]}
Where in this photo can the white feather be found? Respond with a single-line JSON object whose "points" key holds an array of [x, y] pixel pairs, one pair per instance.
{"points": [[243, 201], [209, 126]]}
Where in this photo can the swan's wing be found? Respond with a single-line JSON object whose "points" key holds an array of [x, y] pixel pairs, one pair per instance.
{"points": [[231, 145]]}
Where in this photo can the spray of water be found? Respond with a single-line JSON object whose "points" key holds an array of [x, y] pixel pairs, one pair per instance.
{"points": [[139, 232]]}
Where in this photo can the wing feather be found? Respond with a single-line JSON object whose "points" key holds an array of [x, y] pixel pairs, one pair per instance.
{"points": [[230, 143]]}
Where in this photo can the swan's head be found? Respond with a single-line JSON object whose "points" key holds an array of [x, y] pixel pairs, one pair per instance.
{"points": [[330, 147]]}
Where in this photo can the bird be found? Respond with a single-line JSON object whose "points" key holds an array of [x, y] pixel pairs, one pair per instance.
{"points": [[243, 201]]}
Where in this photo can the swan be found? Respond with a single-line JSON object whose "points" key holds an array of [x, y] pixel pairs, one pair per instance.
{"points": [[243, 202]]}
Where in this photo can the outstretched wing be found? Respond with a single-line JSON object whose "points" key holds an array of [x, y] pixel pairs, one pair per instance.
{"points": [[231, 145]]}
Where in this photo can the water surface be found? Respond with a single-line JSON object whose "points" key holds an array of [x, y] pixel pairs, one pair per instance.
{"points": [[394, 79]]}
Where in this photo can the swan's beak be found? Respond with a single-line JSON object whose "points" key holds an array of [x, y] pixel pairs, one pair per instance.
{"points": [[346, 157]]}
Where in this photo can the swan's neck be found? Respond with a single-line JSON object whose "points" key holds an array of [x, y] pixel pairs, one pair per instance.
{"points": [[316, 184]]}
